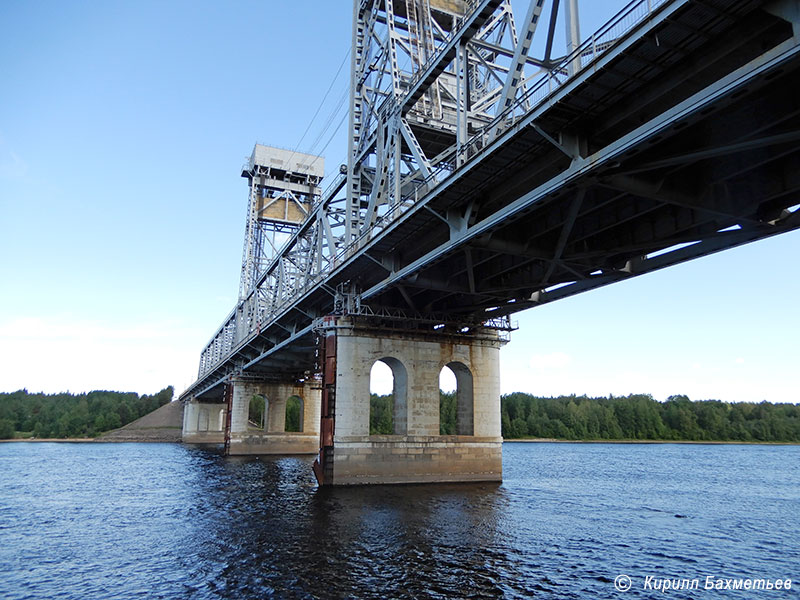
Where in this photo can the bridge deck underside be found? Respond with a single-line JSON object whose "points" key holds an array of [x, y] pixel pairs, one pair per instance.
{"points": [[655, 146]]}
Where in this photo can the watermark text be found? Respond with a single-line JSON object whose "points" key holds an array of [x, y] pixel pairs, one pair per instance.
{"points": [[707, 582]]}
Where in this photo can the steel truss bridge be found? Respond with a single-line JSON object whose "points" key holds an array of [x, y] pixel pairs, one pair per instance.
{"points": [[484, 179]]}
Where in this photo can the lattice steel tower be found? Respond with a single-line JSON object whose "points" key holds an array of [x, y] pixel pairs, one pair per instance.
{"points": [[421, 90], [283, 187]]}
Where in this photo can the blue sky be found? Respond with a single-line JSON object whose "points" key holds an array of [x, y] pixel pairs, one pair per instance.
{"points": [[123, 127]]}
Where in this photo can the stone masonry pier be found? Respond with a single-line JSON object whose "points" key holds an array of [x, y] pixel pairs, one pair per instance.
{"points": [[415, 452], [206, 422]]}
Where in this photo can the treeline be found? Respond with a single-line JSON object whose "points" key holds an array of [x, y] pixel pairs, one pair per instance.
{"points": [[634, 417], [381, 414], [381, 421], [640, 417], [257, 407], [68, 415]]}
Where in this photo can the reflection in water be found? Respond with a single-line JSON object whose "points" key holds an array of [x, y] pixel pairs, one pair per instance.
{"points": [[166, 521], [385, 541]]}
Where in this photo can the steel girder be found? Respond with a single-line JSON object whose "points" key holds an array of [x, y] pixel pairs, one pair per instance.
{"points": [[423, 79], [489, 206]]}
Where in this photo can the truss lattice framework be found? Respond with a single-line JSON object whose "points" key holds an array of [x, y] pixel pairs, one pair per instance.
{"points": [[433, 83], [283, 187]]}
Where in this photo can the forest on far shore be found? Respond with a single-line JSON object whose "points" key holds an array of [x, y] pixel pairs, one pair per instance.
{"points": [[68, 415], [634, 417]]}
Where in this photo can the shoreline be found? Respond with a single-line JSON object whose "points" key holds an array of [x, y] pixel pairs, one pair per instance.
{"points": [[100, 440], [694, 442], [51, 440], [97, 440]]}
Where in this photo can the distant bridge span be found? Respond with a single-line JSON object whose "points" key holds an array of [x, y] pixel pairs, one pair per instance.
{"points": [[473, 192]]}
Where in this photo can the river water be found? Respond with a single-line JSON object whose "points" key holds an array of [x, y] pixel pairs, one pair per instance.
{"points": [[82, 521]]}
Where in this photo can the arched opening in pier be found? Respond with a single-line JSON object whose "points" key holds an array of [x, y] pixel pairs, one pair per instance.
{"points": [[388, 413], [456, 400], [221, 420], [294, 414], [257, 412]]}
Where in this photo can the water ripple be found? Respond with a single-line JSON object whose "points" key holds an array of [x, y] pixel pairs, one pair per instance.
{"points": [[164, 521]]}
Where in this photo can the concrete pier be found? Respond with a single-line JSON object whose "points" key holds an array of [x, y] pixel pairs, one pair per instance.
{"points": [[272, 437], [205, 422], [415, 452]]}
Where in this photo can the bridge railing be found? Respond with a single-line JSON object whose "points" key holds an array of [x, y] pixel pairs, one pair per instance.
{"points": [[581, 58]]}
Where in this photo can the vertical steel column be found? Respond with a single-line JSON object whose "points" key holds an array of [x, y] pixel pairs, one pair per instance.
{"points": [[227, 394], [326, 357], [249, 252], [573, 33], [462, 101], [356, 125]]}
